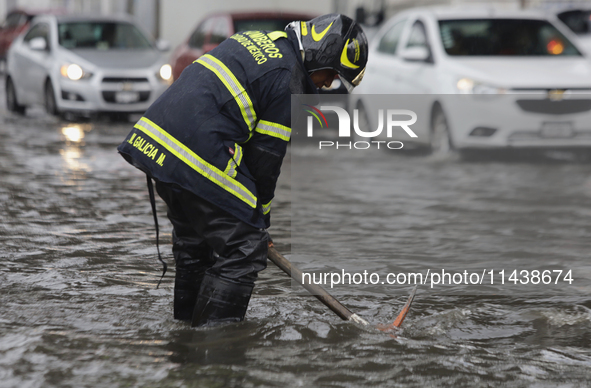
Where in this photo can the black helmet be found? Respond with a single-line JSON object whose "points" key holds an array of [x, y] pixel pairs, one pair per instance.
{"points": [[336, 42]]}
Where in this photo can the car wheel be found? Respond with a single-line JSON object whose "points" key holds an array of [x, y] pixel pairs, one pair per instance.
{"points": [[440, 141], [50, 103], [11, 100]]}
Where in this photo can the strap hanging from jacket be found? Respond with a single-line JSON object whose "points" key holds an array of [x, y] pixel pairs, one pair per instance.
{"points": [[153, 203]]}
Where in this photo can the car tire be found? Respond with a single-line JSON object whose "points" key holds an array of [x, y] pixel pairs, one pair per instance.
{"points": [[50, 102], [440, 141], [11, 99]]}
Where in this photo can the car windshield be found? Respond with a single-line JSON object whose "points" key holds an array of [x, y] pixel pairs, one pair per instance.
{"points": [[101, 36], [504, 37], [261, 24]]}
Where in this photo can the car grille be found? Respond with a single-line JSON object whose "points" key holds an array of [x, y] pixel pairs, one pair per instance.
{"points": [[111, 86], [561, 107], [110, 97], [129, 79]]}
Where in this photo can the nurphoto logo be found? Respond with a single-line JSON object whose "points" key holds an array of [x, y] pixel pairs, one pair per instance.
{"points": [[395, 120]]}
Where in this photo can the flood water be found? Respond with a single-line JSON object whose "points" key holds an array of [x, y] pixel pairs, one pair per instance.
{"points": [[79, 305]]}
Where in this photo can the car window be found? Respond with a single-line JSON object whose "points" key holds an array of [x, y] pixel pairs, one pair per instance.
{"points": [[220, 30], [389, 41], [418, 36], [577, 20], [13, 20], [24, 19], [197, 39], [102, 36], [38, 30], [504, 37], [261, 24]]}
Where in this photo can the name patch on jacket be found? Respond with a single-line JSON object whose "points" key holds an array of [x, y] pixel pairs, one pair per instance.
{"points": [[146, 148], [259, 45]]}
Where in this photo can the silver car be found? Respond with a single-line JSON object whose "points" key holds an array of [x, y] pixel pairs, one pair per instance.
{"points": [[85, 65]]}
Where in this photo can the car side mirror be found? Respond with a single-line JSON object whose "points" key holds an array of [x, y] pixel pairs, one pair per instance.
{"points": [[415, 54], [360, 15], [38, 44], [163, 45]]}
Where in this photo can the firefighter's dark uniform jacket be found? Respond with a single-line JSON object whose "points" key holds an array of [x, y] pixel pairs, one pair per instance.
{"points": [[221, 130]]}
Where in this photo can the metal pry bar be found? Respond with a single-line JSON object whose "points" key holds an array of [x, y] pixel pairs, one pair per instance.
{"points": [[322, 295]]}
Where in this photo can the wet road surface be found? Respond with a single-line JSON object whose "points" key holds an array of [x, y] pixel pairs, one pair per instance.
{"points": [[79, 307]]}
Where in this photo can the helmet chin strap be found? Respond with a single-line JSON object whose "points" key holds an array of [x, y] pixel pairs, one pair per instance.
{"points": [[295, 25], [347, 84]]}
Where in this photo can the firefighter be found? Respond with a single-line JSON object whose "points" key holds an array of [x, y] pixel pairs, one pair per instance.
{"points": [[214, 143]]}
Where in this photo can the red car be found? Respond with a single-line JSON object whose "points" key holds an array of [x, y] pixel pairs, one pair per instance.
{"points": [[217, 27], [16, 22]]}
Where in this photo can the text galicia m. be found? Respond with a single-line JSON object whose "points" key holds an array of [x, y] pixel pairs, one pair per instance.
{"points": [[146, 148]]}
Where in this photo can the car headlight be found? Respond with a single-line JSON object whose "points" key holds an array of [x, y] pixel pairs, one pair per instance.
{"points": [[74, 72], [165, 72], [469, 86]]}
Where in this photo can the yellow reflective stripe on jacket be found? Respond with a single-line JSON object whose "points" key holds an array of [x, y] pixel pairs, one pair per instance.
{"points": [[209, 171], [273, 129], [276, 35], [267, 208], [235, 88], [234, 162]]}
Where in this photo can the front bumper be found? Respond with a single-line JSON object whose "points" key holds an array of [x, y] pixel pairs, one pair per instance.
{"points": [[125, 91], [519, 121]]}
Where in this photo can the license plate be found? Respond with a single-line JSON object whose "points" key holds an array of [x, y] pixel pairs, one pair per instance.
{"points": [[557, 130], [127, 97]]}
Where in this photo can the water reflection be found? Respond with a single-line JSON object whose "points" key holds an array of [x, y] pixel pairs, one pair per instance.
{"points": [[73, 133], [73, 152], [221, 345]]}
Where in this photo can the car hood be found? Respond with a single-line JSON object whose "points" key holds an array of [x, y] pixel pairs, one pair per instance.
{"points": [[534, 72], [120, 59]]}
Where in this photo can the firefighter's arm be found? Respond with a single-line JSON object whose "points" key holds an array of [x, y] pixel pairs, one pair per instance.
{"points": [[264, 163], [264, 152]]}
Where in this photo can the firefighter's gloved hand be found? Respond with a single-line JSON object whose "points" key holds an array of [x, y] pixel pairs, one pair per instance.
{"points": [[269, 239], [265, 166]]}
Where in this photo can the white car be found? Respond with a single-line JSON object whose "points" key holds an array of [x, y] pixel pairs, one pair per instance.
{"points": [[480, 79], [85, 65]]}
